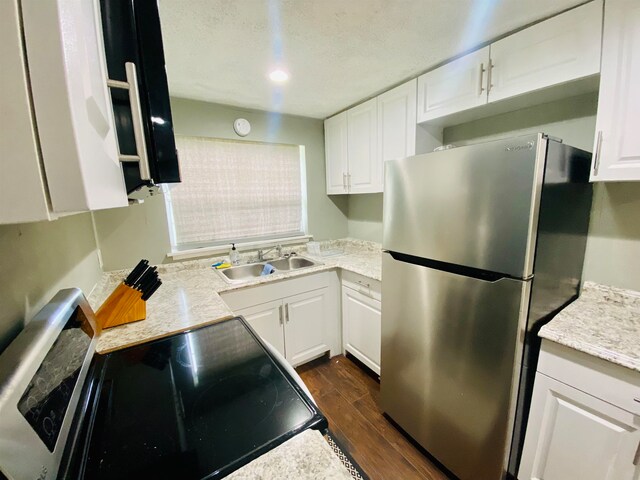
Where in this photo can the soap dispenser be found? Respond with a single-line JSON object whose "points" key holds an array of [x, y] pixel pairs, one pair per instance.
{"points": [[234, 256]]}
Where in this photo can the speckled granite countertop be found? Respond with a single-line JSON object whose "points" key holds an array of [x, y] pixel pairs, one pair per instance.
{"points": [[189, 296], [603, 322], [307, 456]]}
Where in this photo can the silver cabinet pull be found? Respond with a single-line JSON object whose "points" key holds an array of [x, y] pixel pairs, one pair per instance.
{"points": [[286, 312], [349, 181], [344, 181], [280, 315], [131, 85], [596, 154], [490, 75], [480, 85]]}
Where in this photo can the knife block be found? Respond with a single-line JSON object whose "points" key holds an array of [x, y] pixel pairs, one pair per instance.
{"points": [[124, 305]]}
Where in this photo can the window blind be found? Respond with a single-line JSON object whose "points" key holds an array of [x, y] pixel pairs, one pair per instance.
{"points": [[234, 191]]}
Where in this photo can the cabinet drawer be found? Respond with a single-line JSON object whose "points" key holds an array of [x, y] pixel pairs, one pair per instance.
{"points": [[365, 285], [612, 383]]}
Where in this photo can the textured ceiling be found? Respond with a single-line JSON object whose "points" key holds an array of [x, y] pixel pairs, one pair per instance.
{"points": [[338, 52]]}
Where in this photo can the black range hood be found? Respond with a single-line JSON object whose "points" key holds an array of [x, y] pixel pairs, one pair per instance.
{"points": [[140, 95]]}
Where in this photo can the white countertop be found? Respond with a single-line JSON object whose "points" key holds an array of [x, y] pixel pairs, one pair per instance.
{"points": [[307, 456], [189, 296], [603, 322]]}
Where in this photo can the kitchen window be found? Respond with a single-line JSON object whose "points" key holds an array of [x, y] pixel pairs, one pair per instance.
{"points": [[236, 191]]}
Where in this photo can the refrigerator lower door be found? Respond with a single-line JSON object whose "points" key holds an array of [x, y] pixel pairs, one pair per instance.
{"points": [[451, 354]]}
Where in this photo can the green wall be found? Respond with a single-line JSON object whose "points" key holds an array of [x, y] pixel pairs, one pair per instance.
{"points": [[37, 260], [127, 234], [613, 248]]}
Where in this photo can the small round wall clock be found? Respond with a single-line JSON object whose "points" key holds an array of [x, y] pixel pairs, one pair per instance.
{"points": [[242, 127]]}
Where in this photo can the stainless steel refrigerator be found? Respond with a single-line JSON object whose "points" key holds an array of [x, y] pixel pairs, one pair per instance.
{"points": [[483, 245]]}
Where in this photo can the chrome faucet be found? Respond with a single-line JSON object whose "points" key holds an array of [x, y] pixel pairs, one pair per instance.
{"points": [[262, 253]]}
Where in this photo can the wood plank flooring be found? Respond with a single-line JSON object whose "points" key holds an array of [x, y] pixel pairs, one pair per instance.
{"points": [[349, 397]]}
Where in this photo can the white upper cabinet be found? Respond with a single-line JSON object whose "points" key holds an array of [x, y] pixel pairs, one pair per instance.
{"points": [[59, 150], [335, 149], [456, 86], [397, 122], [365, 167], [23, 197], [72, 104], [556, 58], [563, 48], [360, 140], [617, 143]]}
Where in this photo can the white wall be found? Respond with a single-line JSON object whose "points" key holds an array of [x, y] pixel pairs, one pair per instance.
{"points": [[37, 260]]}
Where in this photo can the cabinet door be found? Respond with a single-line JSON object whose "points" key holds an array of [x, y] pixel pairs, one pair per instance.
{"points": [[306, 318], [397, 122], [571, 434], [563, 48], [365, 166], [617, 145], [267, 320], [72, 107], [361, 319], [23, 195], [335, 150], [454, 87]]}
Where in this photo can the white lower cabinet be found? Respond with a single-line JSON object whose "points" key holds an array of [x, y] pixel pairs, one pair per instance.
{"points": [[268, 322], [361, 319], [586, 431], [299, 317], [304, 325]]}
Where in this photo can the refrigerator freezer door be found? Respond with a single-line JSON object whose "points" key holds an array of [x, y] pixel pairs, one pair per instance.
{"points": [[451, 348], [474, 206]]}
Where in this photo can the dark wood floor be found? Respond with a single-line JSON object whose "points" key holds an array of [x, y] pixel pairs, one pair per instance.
{"points": [[349, 398]]}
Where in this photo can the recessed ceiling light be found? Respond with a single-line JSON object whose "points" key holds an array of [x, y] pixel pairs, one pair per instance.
{"points": [[279, 76]]}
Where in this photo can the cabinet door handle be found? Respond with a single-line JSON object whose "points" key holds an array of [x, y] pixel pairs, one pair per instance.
{"points": [[286, 312], [280, 315], [596, 154], [636, 457], [480, 85], [344, 181], [136, 116], [490, 76], [349, 181]]}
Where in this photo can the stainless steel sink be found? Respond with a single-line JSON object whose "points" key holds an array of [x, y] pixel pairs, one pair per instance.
{"points": [[292, 263], [243, 273]]}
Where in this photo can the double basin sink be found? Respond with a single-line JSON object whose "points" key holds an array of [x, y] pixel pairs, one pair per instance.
{"points": [[243, 273]]}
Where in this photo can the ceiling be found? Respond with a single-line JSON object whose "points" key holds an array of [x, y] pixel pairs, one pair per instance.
{"points": [[337, 52]]}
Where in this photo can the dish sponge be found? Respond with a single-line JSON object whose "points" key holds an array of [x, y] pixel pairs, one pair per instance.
{"points": [[268, 269]]}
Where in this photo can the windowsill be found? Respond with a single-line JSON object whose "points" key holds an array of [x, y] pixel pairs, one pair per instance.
{"points": [[208, 251]]}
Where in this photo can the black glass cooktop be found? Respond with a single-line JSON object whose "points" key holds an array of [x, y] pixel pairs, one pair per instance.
{"points": [[196, 405]]}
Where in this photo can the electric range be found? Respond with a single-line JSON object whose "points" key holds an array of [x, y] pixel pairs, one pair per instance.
{"points": [[195, 405]]}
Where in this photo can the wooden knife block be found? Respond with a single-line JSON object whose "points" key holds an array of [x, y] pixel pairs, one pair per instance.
{"points": [[124, 305]]}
